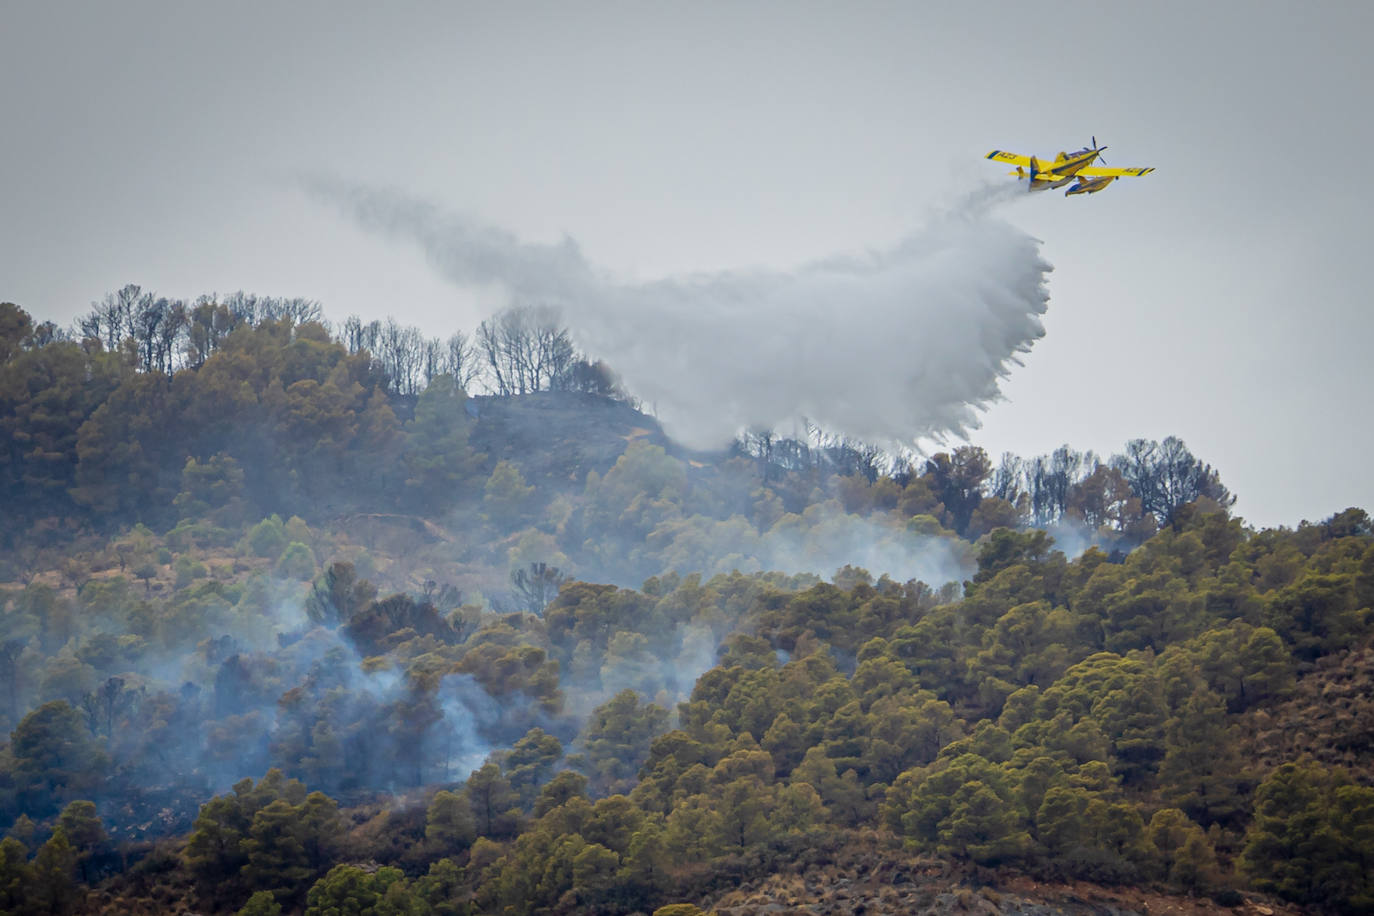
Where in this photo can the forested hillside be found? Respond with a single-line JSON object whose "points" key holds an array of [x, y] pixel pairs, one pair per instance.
{"points": [[289, 622]]}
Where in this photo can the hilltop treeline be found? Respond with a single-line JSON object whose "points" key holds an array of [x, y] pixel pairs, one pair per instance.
{"points": [[155, 411], [279, 631], [251, 399]]}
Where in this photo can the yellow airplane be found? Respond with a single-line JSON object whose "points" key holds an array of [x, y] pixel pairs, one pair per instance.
{"points": [[1074, 168]]}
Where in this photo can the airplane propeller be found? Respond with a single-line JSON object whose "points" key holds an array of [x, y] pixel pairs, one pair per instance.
{"points": [[1100, 158]]}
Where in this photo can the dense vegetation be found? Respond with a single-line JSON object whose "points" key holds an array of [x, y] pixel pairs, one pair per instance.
{"points": [[289, 623]]}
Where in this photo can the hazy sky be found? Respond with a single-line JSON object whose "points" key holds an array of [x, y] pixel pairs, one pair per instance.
{"points": [[1221, 299]]}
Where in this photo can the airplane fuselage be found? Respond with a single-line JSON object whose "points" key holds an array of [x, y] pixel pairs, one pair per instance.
{"points": [[1072, 163], [1063, 170]]}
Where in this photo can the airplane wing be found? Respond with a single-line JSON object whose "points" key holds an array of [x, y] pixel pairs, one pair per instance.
{"points": [[1094, 171], [1012, 158]]}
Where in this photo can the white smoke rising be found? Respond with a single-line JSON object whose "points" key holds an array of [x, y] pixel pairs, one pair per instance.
{"points": [[889, 347], [827, 538]]}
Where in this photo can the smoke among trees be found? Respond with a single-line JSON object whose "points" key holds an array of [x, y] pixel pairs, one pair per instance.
{"points": [[272, 603]]}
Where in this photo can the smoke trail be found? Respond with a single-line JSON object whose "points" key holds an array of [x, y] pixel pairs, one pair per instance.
{"points": [[890, 346]]}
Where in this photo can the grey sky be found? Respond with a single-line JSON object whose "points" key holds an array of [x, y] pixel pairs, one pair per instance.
{"points": [[1221, 299]]}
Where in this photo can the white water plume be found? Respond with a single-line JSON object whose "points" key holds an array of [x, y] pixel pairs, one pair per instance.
{"points": [[891, 346]]}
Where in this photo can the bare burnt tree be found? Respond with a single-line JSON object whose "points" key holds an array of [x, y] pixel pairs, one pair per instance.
{"points": [[820, 452], [296, 309], [1006, 481], [553, 353], [1037, 471], [460, 360], [821, 446], [903, 471], [246, 307], [854, 457], [1059, 473], [175, 322], [1047, 488], [1183, 479], [1166, 476], [255, 309], [1139, 464], [351, 335], [537, 585], [399, 351], [1047, 481], [870, 459], [111, 320], [105, 704], [516, 346], [337, 595], [758, 444], [431, 360], [44, 333], [358, 337], [525, 350], [168, 334], [492, 355], [791, 455], [149, 314]]}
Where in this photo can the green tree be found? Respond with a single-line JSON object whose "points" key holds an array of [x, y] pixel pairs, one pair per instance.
{"points": [[617, 738], [530, 762], [844, 799], [214, 486], [437, 453], [1312, 837], [47, 393], [262, 903], [1108, 697], [1317, 613], [1085, 835], [1203, 772], [450, 827], [289, 846], [348, 890], [217, 854], [1187, 859], [16, 330], [54, 888], [296, 562], [129, 450], [925, 801], [693, 830], [443, 889], [83, 829], [506, 497], [16, 875], [267, 538], [54, 757], [982, 826], [493, 802]]}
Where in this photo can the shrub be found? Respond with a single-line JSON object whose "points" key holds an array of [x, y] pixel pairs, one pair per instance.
{"points": [[296, 562]]}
